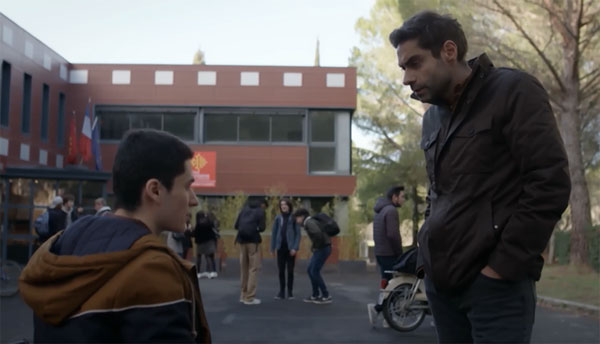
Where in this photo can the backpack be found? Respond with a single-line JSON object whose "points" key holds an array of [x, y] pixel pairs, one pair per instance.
{"points": [[407, 262], [248, 225], [327, 224], [41, 225]]}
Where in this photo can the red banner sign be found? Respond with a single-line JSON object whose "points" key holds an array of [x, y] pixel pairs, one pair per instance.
{"points": [[204, 169]]}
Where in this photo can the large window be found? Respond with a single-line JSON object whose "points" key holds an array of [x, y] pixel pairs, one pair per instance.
{"points": [[5, 94], [286, 128], [26, 109], [329, 144], [60, 133], [144, 120], [322, 126], [45, 108], [113, 125], [181, 124], [254, 128], [281, 126], [114, 122], [220, 127], [322, 159]]}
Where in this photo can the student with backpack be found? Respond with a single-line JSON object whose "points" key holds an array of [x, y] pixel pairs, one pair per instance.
{"points": [[317, 227], [249, 224]]}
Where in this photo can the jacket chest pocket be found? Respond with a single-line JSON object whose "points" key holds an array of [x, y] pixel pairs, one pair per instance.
{"points": [[428, 145], [470, 149]]}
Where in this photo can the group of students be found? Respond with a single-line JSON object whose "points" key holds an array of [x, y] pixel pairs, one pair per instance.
{"points": [[62, 213], [285, 243]]}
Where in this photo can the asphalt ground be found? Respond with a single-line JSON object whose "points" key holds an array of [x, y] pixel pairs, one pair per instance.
{"points": [[294, 321]]}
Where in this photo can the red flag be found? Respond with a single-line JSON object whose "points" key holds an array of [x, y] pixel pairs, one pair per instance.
{"points": [[85, 140], [72, 153]]}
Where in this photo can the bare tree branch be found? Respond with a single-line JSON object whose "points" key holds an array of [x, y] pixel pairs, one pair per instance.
{"points": [[590, 89], [543, 56], [404, 101], [586, 42], [595, 74], [386, 135], [514, 62], [552, 10]]}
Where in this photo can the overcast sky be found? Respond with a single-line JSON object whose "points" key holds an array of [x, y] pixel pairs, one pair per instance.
{"points": [[230, 32]]}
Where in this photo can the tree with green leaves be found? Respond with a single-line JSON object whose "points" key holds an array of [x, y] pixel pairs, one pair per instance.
{"points": [[386, 111], [556, 41]]}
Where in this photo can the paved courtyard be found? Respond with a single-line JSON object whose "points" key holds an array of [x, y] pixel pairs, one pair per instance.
{"points": [[286, 321]]}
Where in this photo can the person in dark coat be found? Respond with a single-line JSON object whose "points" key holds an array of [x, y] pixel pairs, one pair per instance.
{"points": [[285, 242], [206, 235], [57, 218], [249, 224], [388, 243], [498, 183], [69, 208]]}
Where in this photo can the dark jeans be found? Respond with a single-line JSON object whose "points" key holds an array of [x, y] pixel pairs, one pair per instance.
{"points": [[285, 260], [488, 311], [385, 263], [314, 271]]}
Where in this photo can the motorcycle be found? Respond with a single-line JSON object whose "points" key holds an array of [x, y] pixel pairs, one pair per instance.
{"points": [[405, 303]]}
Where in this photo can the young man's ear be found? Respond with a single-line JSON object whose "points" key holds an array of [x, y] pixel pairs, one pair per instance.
{"points": [[152, 189], [449, 51]]}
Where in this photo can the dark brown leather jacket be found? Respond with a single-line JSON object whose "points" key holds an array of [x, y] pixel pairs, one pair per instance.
{"points": [[499, 179]]}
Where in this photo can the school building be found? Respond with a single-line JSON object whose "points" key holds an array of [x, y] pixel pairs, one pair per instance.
{"points": [[255, 128]]}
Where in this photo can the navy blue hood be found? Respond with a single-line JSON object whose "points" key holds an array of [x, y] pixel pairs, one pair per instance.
{"points": [[99, 234]]}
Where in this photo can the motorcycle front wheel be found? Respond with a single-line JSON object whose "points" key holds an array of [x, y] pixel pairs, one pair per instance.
{"points": [[398, 314]]}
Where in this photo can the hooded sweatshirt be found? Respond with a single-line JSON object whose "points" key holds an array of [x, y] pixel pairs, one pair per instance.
{"points": [[108, 279], [386, 229]]}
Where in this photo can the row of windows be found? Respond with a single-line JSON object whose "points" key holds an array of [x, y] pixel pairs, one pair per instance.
{"points": [[26, 106], [253, 128], [221, 126], [113, 124], [243, 126]]}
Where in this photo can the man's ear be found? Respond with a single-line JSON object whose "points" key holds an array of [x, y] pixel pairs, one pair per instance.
{"points": [[152, 189], [449, 51]]}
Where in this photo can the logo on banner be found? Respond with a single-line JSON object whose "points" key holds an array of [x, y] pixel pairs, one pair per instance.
{"points": [[204, 168]]}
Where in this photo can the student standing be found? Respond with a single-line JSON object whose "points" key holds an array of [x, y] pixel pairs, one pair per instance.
{"points": [[285, 241], [321, 249], [206, 235], [111, 279]]}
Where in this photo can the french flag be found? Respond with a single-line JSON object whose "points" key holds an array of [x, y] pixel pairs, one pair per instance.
{"points": [[96, 144], [85, 140]]}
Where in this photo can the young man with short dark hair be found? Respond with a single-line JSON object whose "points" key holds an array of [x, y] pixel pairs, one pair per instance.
{"points": [[498, 183], [321, 250], [388, 242], [111, 278]]}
